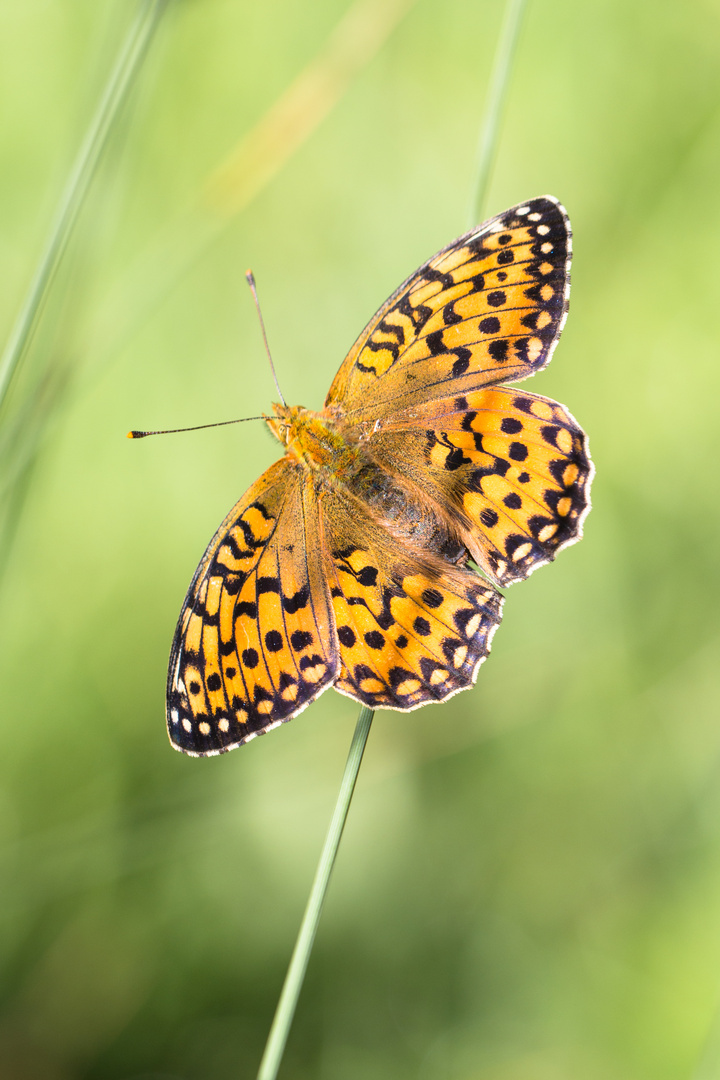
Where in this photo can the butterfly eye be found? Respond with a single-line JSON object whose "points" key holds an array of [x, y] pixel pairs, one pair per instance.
{"points": [[280, 430]]}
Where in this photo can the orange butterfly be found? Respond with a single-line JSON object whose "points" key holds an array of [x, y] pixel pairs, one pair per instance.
{"points": [[346, 563]]}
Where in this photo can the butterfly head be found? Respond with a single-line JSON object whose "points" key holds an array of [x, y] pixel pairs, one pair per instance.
{"points": [[284, 424], [312, 439]]}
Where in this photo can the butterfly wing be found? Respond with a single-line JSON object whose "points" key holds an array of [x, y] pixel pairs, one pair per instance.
{"points": [[255, 641], [411, 628], [486, 309], [511, 470]]}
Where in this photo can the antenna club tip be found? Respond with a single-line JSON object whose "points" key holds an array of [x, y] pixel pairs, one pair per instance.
{"points": [[135, 434], [250, 277]]}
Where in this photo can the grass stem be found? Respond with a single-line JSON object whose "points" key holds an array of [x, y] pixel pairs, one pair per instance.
{"points": [[292, 986], [122, 77], [497, 93]]}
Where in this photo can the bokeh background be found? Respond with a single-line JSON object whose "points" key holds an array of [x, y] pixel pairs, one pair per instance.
{"points": [[529, 884]]}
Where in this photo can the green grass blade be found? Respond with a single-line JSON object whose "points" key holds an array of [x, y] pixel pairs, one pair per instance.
{"points": [[497, 93], [122, 77], [292, 986]]}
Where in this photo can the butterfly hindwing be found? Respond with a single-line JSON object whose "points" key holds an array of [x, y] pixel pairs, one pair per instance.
{"points": [[411, 629], [254, 643], [486, 309], [511, 470]]}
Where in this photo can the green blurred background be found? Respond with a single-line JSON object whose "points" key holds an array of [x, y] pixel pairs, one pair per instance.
{"points": [[529, 885]]}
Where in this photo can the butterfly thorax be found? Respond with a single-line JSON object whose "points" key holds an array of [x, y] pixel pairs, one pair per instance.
{"points": [[315, 441]]}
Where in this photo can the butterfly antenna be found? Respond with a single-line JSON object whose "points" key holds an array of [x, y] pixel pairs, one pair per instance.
{"points": [[198, 427], [253, 290]]}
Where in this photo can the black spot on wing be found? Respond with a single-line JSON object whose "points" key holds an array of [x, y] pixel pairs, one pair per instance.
{"points": [[300, 639], [268, 585], [462, 362], [346, 634], [298, 600], [510, 426], [247, 608]]}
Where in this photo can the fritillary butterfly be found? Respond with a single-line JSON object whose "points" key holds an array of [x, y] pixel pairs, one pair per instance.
{"points": [[347, 563]]}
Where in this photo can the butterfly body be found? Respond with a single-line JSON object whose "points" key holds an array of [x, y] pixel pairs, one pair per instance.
{"points": [[341, 464], [348, 562]]}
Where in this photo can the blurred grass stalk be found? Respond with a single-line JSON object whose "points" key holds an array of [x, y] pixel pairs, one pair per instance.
{"points": [[21, 435], [122, 78], [295, 977], [287, 1003], [497, 93]]}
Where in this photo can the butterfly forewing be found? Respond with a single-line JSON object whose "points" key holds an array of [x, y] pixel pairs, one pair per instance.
{"points": [[254, 643], [486, 309]]}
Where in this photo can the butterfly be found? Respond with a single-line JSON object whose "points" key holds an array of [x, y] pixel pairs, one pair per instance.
{"points": [[352, 562]]}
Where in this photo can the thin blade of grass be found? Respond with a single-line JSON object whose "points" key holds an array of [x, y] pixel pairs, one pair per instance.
{"points": [[497, 94], [292, 986], [120, 82], [708, 1064]]}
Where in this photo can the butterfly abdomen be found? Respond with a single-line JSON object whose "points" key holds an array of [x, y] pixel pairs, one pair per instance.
{"points": [[405, 514]]}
